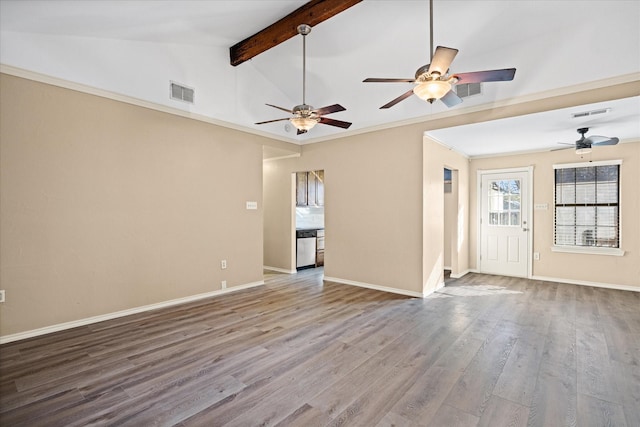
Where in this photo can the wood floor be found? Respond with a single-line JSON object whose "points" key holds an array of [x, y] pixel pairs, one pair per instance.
{"points": [[484, 351]]}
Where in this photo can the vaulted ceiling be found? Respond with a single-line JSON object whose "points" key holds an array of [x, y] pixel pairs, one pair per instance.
{"points": [[560, 47]]}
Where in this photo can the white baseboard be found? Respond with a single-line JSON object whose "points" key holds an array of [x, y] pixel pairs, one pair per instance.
{"points": [[587, 283], [459, 275], [440, 286], [279, 270], [95, 319], [374, 287]]}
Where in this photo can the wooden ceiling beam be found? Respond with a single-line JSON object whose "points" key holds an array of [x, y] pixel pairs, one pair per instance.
{"points": [[311, 13]]}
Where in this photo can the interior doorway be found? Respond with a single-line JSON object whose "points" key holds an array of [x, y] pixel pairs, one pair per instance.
{"points": [[309, 219], [451, 224]]}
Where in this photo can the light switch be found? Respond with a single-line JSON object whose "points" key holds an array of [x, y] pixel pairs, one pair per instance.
{"points": [[252, 205], [541, 206]]}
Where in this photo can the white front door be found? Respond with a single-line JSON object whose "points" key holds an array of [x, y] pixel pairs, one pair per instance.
{"points": [[504, 223]]}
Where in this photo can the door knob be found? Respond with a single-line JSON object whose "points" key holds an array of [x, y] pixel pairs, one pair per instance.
{"points": [[525, 229]]}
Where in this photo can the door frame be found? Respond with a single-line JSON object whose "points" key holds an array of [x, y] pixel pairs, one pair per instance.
{"points": [[528, 170]]}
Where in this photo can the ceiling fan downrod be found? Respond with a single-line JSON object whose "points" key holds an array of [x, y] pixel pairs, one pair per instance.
{"points": [[303, 30], [431, 31]]}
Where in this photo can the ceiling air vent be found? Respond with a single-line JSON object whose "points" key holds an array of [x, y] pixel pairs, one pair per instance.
{"points": [[465, 90], [181, 92], [590, 113]]}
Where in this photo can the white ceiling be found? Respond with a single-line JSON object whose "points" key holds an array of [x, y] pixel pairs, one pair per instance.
{"points": [[135, 48]]}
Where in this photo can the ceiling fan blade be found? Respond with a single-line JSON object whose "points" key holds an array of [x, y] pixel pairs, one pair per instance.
{"points": [[601, 140], [505, 74], [301, 131], [333, 122], [383, 80], [442, 59], [563, 148], [451, 99], [398, 99], [280, 108], [329, 109], [271, 121]]}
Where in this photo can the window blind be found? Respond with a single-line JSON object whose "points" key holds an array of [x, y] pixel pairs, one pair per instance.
{"points": [[587, 205]]}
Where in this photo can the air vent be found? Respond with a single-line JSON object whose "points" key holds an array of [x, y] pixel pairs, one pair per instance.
{"points": [[590, 113], [465, 90], [181, 92]]}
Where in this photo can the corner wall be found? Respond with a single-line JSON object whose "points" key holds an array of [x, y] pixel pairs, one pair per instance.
{"points": [[107, 206], [378, 231]]}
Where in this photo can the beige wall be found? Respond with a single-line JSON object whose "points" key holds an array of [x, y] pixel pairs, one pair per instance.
{"points": [[374, 188], [279, 215], [107, 206], [599, 269], [435, 158]]}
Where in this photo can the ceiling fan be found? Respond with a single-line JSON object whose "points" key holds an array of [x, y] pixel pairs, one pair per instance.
{"points": [[433, 82], [583, 145], [305, 116]]}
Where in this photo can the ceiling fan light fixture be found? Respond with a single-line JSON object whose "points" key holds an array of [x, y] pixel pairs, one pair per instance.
{"points": [[304, 123], [583, 150], [431, 90]]}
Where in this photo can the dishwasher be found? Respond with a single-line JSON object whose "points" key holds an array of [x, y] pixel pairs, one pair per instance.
{"points": [[305, 248]]}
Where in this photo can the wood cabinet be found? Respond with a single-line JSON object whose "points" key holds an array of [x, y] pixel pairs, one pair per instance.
{"points": [[301, 189], [310, 188]]}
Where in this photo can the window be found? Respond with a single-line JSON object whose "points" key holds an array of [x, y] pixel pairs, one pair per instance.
{"points": [[587, 207], [504, 203]]}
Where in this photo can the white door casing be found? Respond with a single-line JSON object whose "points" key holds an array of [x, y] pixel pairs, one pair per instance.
{"points": [[505, 222]]}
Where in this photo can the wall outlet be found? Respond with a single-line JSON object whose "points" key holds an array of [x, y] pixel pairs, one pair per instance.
{"points": [[223, 284], [536, 256], [223, 264], [2, 295]]}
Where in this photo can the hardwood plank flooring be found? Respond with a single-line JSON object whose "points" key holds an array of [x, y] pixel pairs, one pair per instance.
{"points": [[483, 351]]}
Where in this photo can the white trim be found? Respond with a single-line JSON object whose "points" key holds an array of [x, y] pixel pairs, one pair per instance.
{"points": [[425, 135], [279, 270], [432, 118], [440, 286], [592, 250], [479, 173], [461, 274], [290, 156], [109, 316], [446, 268], [581, 249], [55, 81], [587, 164], [587, 283], [378, 287], [538, 96]]}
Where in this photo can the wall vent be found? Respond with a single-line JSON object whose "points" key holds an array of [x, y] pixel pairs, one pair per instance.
{"points": [[590, 113], [465, 90], [181, 92]]}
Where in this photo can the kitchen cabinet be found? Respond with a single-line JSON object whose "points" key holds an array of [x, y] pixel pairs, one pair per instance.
{"points": [[310, 188], [320, 188], [301, 189]]}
